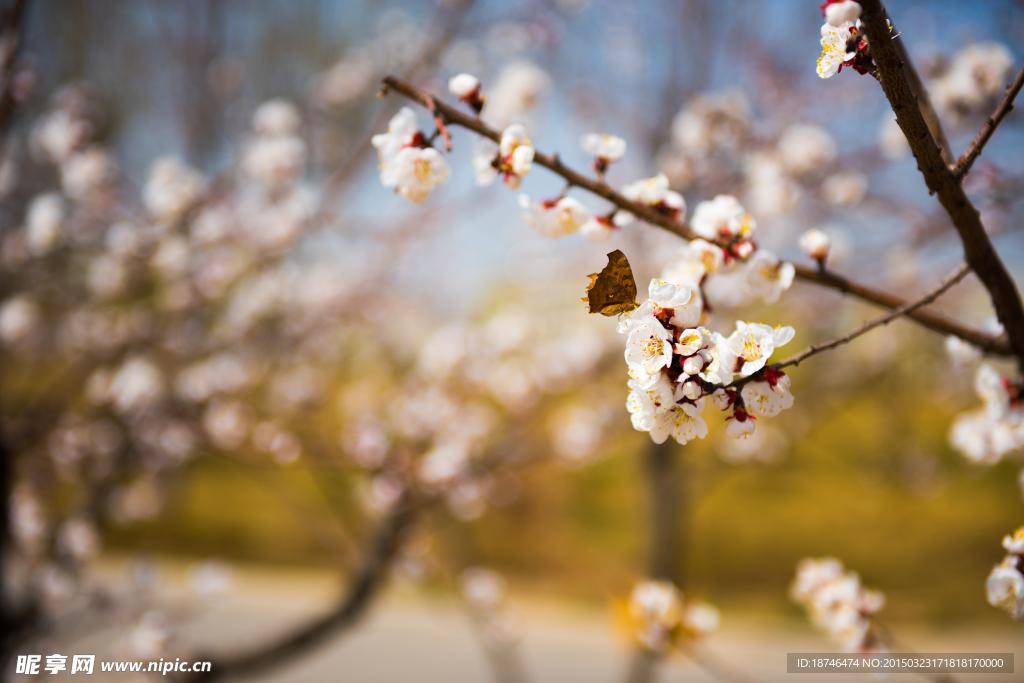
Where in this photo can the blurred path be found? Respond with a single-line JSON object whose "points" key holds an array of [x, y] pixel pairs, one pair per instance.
{"points": [[411, 639]]}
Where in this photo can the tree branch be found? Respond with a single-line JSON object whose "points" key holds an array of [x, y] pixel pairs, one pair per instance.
{"points": [[1005, 106], [940, 179], [930, 319], [363, 588], [924, 102], [933, 320], [877, 322]]}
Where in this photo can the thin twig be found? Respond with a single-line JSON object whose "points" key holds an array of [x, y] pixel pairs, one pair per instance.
{"points": [[933, 320], [1005, 106], [877, 322], [930, 319]]}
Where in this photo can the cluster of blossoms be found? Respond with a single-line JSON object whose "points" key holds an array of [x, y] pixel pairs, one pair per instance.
{"points": [[974, 77], [187, 323], [986, 434], [837, 603], [714, 141], [842, 42], [659, 617], [969, 81], [1005, 585], [276, 156], [407, 161], [511, 158], [674, 363]]}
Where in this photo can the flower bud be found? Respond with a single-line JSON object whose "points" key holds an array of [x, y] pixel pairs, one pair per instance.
{"points": [[691, 389], [464, 86], [837, 13], [816, 244], [743, 250]]}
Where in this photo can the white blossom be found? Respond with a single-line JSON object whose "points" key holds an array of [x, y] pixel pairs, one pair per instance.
{"points": [[767, 276], [402, 132], [464, 86], [609, 148], [833, 48], [771, 190], [1005, 587], [482, 588], [720, 361], [836, 601], [275, 161], [345, 82], [86, 172], [700, 618], [443, 463], [846, 188], [79, 539], [805, 147], [682, 422], [555, 219], [1014, 544], [722, 217], [962, 353], [690, 341], [983, 439], [58, 134], [517, 152], [276, 118], [976, 74], [648, 350], [816, 244], [414, 172], [712, 122], [172, 188], [693, 262], [598, 229], [136, 386], [516, 91], [227, 423], [43, 223], [485, 153], [664, 295], [766, 398], [653, 192], [656, 608], [644, 404], [754, 343], [740, 426], [845, 11], [19, 320]]}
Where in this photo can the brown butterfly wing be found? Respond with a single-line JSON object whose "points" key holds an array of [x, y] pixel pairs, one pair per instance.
{"points": [[613, 290]]}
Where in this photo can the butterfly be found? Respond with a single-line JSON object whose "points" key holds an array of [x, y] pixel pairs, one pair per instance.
{"points": [[613, 290]]}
